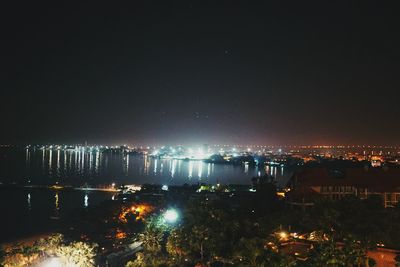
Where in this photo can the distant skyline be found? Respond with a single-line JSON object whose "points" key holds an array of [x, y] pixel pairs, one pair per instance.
{"points": [[196, 72], [222, 145]]}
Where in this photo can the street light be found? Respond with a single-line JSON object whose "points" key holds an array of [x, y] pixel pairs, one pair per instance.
{"points": [[171, 216]]}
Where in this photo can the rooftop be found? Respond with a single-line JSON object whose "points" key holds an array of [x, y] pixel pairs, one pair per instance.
{"points": [[380, 179]]}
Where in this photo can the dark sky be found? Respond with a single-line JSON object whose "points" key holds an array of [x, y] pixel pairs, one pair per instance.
{"points": [[280, 72]]}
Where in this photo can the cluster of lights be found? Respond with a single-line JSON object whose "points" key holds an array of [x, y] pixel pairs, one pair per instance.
{"points": [[141, 211], [180, 153]]}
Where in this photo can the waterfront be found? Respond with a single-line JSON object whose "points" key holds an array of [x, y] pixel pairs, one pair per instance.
{"points": [[31, 210], [76, 168]]}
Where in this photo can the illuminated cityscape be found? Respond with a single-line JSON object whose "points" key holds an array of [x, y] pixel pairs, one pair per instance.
{"points": [[200, 134], [237, 177]]}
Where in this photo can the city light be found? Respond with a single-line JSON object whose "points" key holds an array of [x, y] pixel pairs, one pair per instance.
{"points": [[283, 235], [140, 211]]}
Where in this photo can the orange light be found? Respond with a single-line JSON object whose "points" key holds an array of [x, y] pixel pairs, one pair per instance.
{"points": [[283, 235], [120, 235], [280, 194], [141, 211]]}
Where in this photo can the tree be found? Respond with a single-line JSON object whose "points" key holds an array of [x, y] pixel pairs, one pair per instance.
{"points": [[252, 252], [151, 240], [77, 254], [209, 231], [153, 243], [176, 245], [322, 218], [2, 254], [249, 251], [326, 254], [69, 254], [143, 261], [353, 252], [397, 259], [49, 244], [30, 252], [265, 199]]}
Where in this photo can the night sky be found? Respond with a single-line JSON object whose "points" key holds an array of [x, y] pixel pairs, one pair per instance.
{"points": [[169, 72]]}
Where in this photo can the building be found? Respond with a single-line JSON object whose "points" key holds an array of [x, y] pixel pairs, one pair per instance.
{"points": [[300, 250], [335, 183]]}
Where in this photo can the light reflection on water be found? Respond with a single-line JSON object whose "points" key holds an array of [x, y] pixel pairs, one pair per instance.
{"points": [[86, 201], [29, 205], [73, 167], [36, 209]]}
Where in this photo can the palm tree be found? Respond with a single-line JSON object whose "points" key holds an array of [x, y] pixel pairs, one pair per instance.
{"points": [[152, 240], [326, 254], [353, 252], [249, 251], [77, 254], [252, 252]]}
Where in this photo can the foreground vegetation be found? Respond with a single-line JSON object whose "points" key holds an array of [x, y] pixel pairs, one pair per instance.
{"points": [[220, 229], [212, 233], [53, 249]]}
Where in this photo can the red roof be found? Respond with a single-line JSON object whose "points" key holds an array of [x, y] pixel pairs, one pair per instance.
{"points": [[378, 179]]}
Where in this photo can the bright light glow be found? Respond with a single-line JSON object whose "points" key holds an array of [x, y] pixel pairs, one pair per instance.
{"points": [[86, 201], [283, 235], [280, 194], [52, 262], [171, 216], [140, 211], [164, 187]]}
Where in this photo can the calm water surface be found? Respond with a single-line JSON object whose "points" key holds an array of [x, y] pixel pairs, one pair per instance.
{"points": [[26, 211], [78, 167]]}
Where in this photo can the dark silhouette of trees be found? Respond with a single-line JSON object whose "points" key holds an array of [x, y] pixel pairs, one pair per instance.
{"points": [[265, 200]]}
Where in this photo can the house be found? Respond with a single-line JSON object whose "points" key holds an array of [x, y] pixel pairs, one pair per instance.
{"points": [[335, 182]]}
